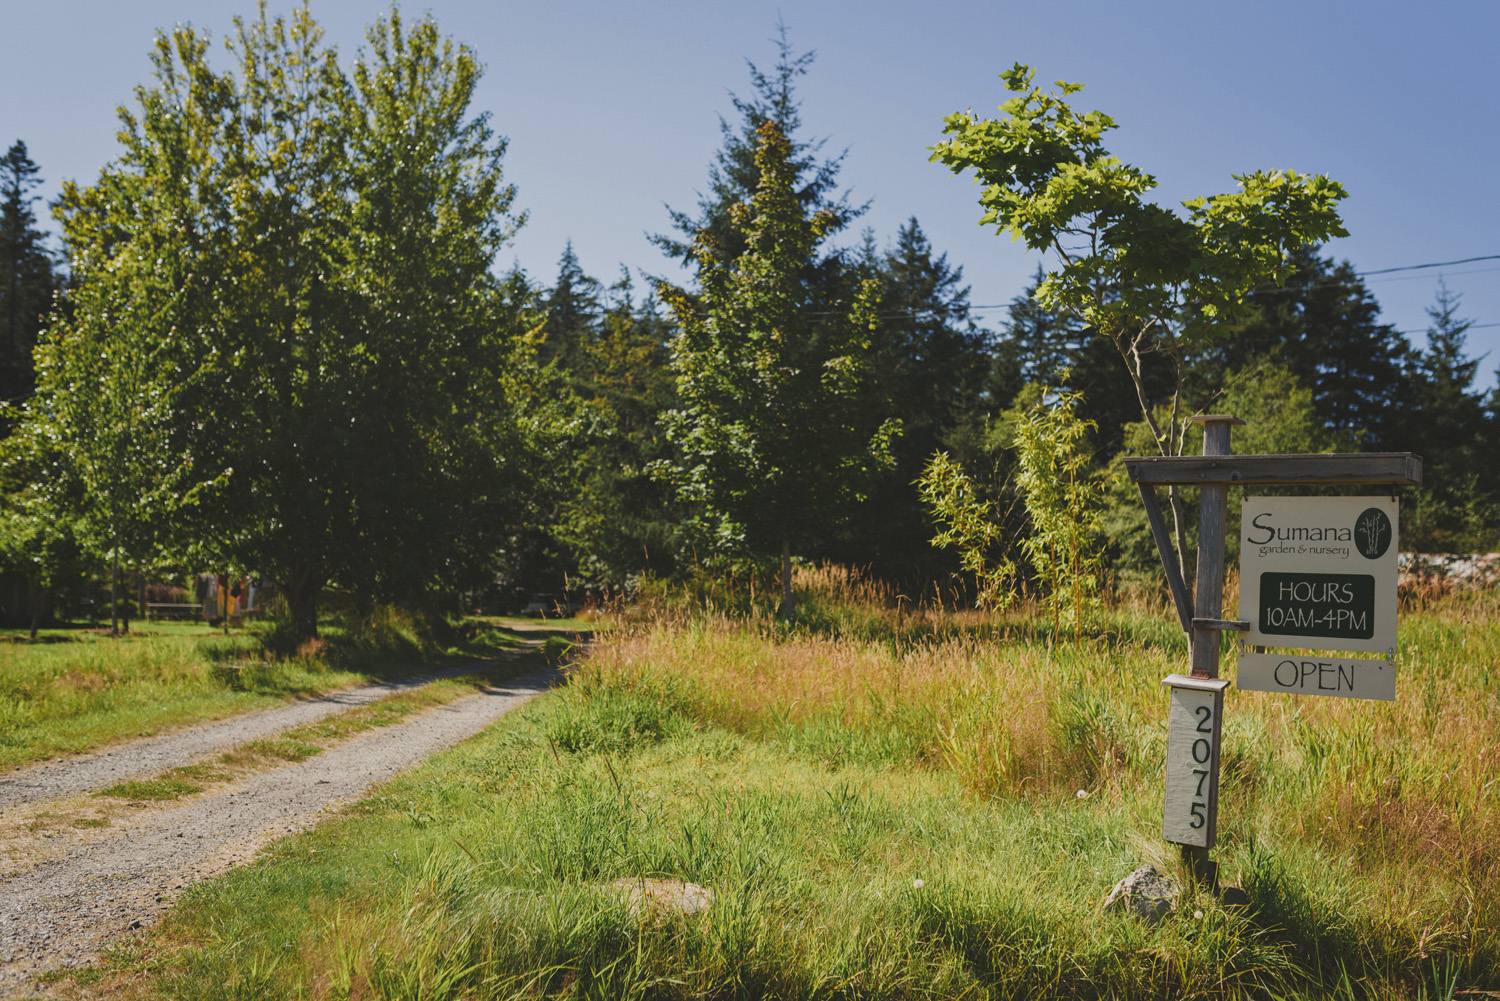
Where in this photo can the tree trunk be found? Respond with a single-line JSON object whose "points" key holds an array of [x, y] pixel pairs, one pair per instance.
{"points": [[33, 595], [302, 591], [114, 593], [1188, 568], [788, 603]]}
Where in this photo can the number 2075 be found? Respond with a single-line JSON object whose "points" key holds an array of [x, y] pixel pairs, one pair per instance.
{"points": [[1192, 753]]}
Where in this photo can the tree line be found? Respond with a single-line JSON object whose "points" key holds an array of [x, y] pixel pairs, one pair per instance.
{"points": [[275, 341]]}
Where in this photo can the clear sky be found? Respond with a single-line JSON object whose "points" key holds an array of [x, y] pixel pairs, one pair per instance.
{"points": [[612, 110]]}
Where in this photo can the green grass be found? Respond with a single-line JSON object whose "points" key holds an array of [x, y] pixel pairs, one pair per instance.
{"points": [[309, 739], [572, 624], [152, 789], [810, 780], [74, 690]]}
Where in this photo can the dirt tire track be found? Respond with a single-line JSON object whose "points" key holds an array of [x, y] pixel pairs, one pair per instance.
{"points": [[62, 912], [149, 756]]}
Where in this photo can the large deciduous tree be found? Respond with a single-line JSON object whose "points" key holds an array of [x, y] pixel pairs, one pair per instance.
{"points": [[320, 337], [771, 435], [1154, 280]]}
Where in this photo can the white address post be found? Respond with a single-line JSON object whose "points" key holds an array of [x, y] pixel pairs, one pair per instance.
{"points": [[1190, 806]]}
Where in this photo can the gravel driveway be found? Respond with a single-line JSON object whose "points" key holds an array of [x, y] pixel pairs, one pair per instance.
{"points": [[148, 756], [61, 912]]}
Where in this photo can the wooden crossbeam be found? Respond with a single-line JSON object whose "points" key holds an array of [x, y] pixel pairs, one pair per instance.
{"points": [[1391, 468]]}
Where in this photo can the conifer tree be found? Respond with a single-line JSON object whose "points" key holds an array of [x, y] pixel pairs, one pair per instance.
{"points": [[771, 440], [620, 520], [734, 175], [1445, 425], [928, 365], [572, 308], [1324, 326], [27, 277]]}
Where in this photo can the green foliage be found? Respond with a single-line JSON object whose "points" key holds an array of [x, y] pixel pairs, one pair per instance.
{"points": [[27, 276], [40, 534], [1280, 414], [619, 520], [285, 296], [1149, 278], [771, 440], [1458, 505], [969, 524], [1062, 493], [1323, 325], [928, 360], [735, 176]]}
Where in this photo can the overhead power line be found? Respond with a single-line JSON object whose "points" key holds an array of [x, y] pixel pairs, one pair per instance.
{"points": [[1363, 274], [1434, 264]]}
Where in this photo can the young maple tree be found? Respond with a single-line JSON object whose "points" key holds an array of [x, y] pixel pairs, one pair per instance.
{"points": [[1152, 279]]}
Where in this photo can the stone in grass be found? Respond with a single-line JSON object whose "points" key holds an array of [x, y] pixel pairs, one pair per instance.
{"points": [[663, 895], [1147, 893]]}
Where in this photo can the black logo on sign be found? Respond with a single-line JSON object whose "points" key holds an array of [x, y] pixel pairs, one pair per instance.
{"points": [[1372, 533]]}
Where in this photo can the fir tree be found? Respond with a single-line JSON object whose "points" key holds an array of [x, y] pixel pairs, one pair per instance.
{"points": [[1324, 326], [734, 176], [27, 278], [1446, 427], [572, 314], [928, 365], [772, 439]]}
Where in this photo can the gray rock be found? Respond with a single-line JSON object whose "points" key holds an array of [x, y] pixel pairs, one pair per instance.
{"points": [[1147, 893], [663, 895]]}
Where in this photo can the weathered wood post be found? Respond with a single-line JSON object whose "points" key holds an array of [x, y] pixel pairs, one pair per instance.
{"points": [[1195, 719], [1208, 600]]}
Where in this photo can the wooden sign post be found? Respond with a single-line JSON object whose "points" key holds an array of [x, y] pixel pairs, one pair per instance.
{"points": [[1300, 599]]}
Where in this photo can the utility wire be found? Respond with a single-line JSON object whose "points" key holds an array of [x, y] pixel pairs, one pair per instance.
{"points": [[1435, 264], [887, 314]]}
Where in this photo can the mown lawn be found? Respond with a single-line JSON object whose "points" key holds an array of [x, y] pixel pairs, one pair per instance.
{"points": [[885, 805]]}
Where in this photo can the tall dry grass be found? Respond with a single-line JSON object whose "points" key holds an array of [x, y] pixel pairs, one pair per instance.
{"points": [[1402, 797]]}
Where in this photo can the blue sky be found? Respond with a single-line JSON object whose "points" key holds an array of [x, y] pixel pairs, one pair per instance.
{"points": [[611, 110]]}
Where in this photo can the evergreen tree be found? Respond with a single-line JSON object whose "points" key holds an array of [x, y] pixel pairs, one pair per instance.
{"points": [[620, 520], [572, 314], [1446, 427], [1046, 343], [772, 440], [1324, 326], [1055, 350], [734, 175], [928, 366], [27, 278]]}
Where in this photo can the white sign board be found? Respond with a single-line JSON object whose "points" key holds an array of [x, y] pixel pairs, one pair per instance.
{"points": [[1298, 674], [1319, 572], [1190, 806]]}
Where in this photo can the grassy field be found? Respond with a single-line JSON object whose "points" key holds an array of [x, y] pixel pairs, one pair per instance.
{"points": [[72, 690], [886, 804]]}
